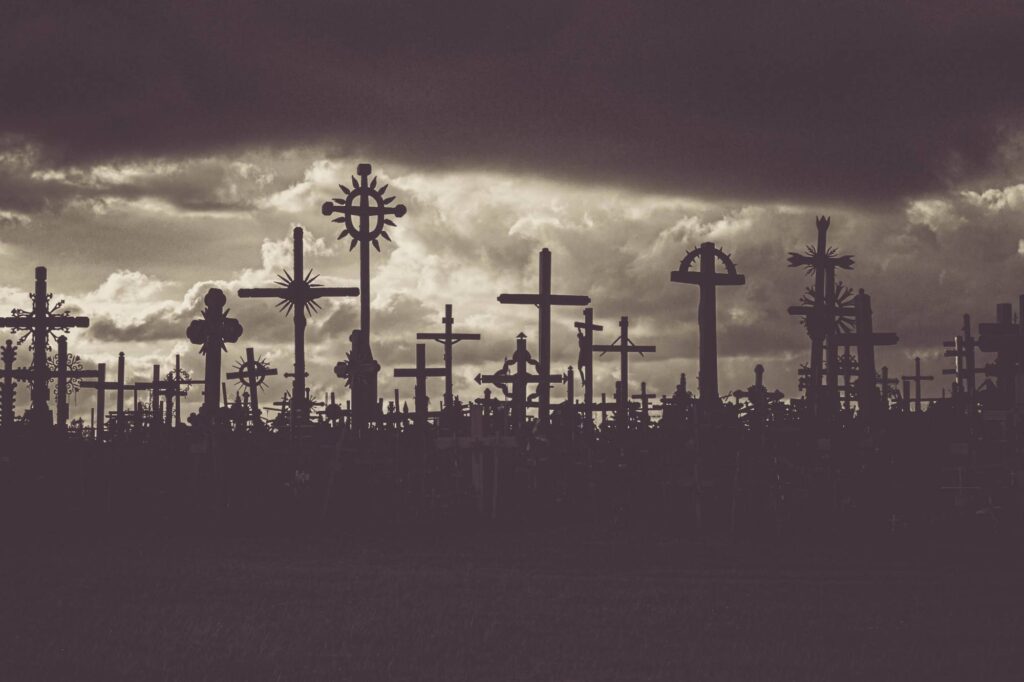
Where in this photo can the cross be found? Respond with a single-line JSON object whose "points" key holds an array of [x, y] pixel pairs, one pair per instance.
{"points": [[211, 333], [519, 381], [252, 373], [178, 380], [917, 378], [156, 387], [604, 408], [421, 373], [644, 397], [40, 323], [102, 386], [888, 385], [544, 299], [708, 280], [8, 354], [821, 261], [570, 396], [366, 202], [298, 293], [866, 339], [585, 336], [448, 338], [624, 347], [1005, 338], [67, 378], [758, 395]]}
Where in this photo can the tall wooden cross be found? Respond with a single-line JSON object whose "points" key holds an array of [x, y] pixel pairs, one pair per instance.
{"points": [[421, 373], [644, 397], [39, 323], [917, 378], [211, 333], [708, 280], [866, 339], [624, 346], [365, 212], [520, 380], [544, 299], [298, 293], [447, 338], [585, 336], [820, 313]]}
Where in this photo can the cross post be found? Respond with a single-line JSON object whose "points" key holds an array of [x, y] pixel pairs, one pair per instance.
{"points": [[585, 335], [421, 373], [211, 333], [448, 338], [623, 348], [866, 339], [917, 378]]}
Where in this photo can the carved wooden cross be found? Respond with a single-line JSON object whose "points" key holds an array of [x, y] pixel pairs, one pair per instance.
{"points": [[421, 373], [447, 338], [624, 346], [520, 380], [917, 378], [211, 333], [708, 280], [298, 293], [866, 340], [585, 362], [39, 323], [544, 299]]}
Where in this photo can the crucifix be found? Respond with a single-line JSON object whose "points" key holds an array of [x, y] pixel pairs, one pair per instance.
{"points": [[623, 347], [447, 338], [252, 373], [585, 336], [366, 202], [211, 333], [917, 378], [644, 398], [39, 323], [298, 293], [821, 305], [519, 381], [544, 299], [866, 339], [708, 280], [421, 373]]}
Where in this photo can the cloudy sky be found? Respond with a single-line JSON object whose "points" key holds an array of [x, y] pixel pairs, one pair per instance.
{"points": [[147, 155]]}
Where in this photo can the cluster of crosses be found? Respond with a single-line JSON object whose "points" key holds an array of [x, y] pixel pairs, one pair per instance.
{"points": [[836, 320]]}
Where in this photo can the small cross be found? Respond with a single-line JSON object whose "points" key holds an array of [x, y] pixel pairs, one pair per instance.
{"points": [[421, 373]]}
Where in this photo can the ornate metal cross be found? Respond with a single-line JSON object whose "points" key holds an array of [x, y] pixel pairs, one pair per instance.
{"points": [[520, 380], [544, 299], [708, 280], [252, 373], [40, 323]]}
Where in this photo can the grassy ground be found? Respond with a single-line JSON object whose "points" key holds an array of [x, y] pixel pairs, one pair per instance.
{"points": [[341, 609]]}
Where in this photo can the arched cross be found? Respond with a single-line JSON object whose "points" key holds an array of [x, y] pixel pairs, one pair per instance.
{"points": [[708, 280]]}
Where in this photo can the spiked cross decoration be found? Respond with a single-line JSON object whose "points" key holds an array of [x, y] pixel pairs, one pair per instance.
{"points": [[252, 372]]}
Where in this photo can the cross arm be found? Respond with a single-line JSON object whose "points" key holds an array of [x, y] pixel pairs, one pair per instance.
{"points": [[876, 339], [320, 292], [441, 336], [628, 349], [426, 372], [717, 278], [56, 321], [272, 292]]}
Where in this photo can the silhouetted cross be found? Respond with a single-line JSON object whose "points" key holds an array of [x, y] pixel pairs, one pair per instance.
{"points": [[102, 386], [544, 299], [211, 333], [624, 346], [519, 381], [644, 397], [708, 280], [917, 378], [447, 338], [585, 362], [865, 339], [421, 373], [252, 373]]}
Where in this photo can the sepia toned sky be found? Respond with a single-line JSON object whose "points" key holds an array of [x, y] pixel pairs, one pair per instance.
{"points": [[147, 154]]}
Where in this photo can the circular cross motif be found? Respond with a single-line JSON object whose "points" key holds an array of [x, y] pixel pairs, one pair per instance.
{"points": [[367, 203], [252, 375], [73, 368]]}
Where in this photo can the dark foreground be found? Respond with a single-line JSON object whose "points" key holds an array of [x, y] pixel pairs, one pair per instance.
{"points": [[536, 609]]}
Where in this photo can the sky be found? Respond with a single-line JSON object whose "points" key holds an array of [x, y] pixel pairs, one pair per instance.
{"points": [[148, 153]]}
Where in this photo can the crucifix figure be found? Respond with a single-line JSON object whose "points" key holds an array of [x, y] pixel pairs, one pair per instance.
{"points": [[820, 306], [367, 203], [519, 381], [447, 338], [40, 323], [866, 339], [421, 373], [585, 337], [211, 333], [917, 378], [644, 397], [252, 373], [544, 299], [623, 346], [298, 293], [708, 280]]}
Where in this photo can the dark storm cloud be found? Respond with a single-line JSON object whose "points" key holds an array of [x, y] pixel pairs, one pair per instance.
{"points": [[824, 101]]}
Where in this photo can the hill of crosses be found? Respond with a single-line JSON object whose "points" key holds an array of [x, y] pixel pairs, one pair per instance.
{"points": [[860, 452]]}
